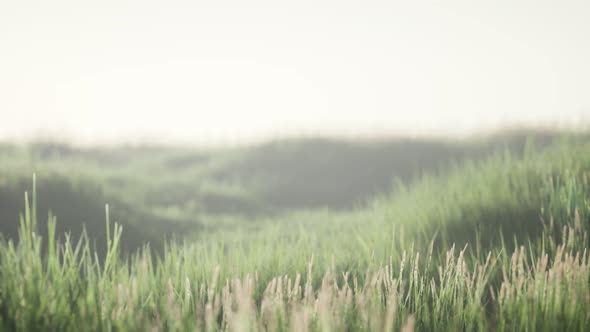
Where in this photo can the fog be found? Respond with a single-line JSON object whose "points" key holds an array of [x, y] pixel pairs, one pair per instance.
{"points": [[233, 71]]}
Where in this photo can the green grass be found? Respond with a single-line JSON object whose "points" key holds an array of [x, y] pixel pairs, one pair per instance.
{"points": [[493, 244], [156, 192]]}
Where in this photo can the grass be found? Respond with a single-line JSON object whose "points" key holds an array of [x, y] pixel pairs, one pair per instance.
{"points": [[493, 244]]}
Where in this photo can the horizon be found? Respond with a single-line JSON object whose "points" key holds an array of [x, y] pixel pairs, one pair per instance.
{"points": [[475, 136]]}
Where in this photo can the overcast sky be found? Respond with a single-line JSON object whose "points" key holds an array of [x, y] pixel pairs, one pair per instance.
{"points": [[226, 71]]}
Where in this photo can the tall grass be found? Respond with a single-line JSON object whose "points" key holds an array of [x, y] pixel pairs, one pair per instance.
{"points": [[439, 256]]}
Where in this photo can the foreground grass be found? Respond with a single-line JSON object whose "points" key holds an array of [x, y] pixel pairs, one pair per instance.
{"points": [[495, 245]]}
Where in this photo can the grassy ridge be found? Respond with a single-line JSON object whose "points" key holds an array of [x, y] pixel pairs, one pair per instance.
{"points": [[495, 244], [157, 191]]}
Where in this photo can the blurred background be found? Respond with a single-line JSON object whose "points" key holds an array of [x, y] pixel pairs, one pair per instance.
{"points": [[233, 71], [196, 115]]}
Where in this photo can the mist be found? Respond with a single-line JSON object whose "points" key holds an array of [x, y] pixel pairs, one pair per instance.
{"points": [[325, 165], [229, 72]]}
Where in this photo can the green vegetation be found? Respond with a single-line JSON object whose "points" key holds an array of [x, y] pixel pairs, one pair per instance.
{"points": [[161, 191], [481, 239]]}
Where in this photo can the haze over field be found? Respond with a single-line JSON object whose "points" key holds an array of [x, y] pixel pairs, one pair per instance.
{"points": [[229, 71], [292, 165]]}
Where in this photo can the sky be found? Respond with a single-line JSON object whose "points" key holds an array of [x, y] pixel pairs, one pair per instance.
{"points": [[100, 72]]}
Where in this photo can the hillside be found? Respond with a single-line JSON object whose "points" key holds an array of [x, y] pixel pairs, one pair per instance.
{"points": [[492, 243], [160, 191]]}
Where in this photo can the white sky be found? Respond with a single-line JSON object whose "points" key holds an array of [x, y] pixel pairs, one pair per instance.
{"points": [[225, 71]]}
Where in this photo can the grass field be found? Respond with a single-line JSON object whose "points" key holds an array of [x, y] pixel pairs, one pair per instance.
{"points": [[300, 235]]}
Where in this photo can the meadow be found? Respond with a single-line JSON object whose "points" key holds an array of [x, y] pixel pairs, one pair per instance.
{"points": [[301, 235]]}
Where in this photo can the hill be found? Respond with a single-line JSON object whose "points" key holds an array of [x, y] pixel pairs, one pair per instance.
{"points": [[492, 243], [160, 191]]}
